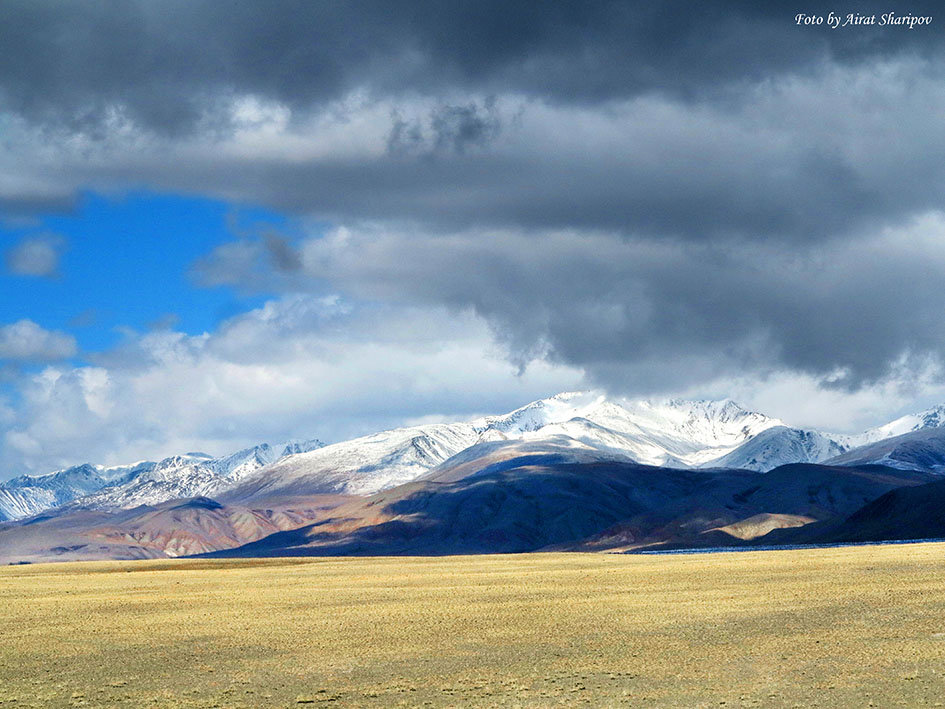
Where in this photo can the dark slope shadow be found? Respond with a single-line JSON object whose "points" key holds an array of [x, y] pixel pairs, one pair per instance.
{"points": [[510, 511], [823, 493], [914, 512], [529, 508]]}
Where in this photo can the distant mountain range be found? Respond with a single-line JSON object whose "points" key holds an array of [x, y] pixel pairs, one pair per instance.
{"points": [[577, 470], [98, 487]]}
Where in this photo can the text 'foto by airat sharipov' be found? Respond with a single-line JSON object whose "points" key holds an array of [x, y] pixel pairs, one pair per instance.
{"points": [[835, 20]]}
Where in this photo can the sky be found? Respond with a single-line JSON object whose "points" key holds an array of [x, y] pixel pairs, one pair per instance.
{"points": [[222, 224]]}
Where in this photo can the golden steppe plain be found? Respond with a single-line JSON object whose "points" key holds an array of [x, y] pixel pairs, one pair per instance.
{"points": [[844, 627]]}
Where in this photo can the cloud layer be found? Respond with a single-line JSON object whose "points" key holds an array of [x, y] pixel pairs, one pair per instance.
{"points": [[172, 67], [300, 366], [646, 315], [653, 197]]}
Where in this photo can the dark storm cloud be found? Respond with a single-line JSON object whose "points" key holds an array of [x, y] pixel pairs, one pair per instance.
{"points": [[707, 149], [449, 128], [647, 315], [169, 64], [810, 160], [743, 169]]}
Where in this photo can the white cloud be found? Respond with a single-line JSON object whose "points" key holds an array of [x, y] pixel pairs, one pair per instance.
{"points": [[810, 401], [25, 341], [301, 366], [36, 255], [311, 366]]}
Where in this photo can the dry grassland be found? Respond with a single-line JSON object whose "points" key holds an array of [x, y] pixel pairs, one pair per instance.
{"points": [[840, 627]]}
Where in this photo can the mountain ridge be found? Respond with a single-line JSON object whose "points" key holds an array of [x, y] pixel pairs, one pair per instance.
{"points": [[666, 432]]}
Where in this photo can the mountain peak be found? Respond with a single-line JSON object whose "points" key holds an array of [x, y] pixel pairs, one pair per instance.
{"points": [[713, 407], [294, 447], [83, 470], [934, 417]]}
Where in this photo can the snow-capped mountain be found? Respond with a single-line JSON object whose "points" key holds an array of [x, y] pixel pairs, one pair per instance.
{"points": [[185, 475], [780, 445], [677, 433], [30, 494], [143, 483], [681, 433], [362, 465], [930, 418], [880, 445], [188, 475], [919, 449]]}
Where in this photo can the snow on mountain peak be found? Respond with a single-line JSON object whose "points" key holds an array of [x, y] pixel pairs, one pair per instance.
{"points": [[657, 432], [29, 494], [294, 447], [930, 418], [675, 432]]}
